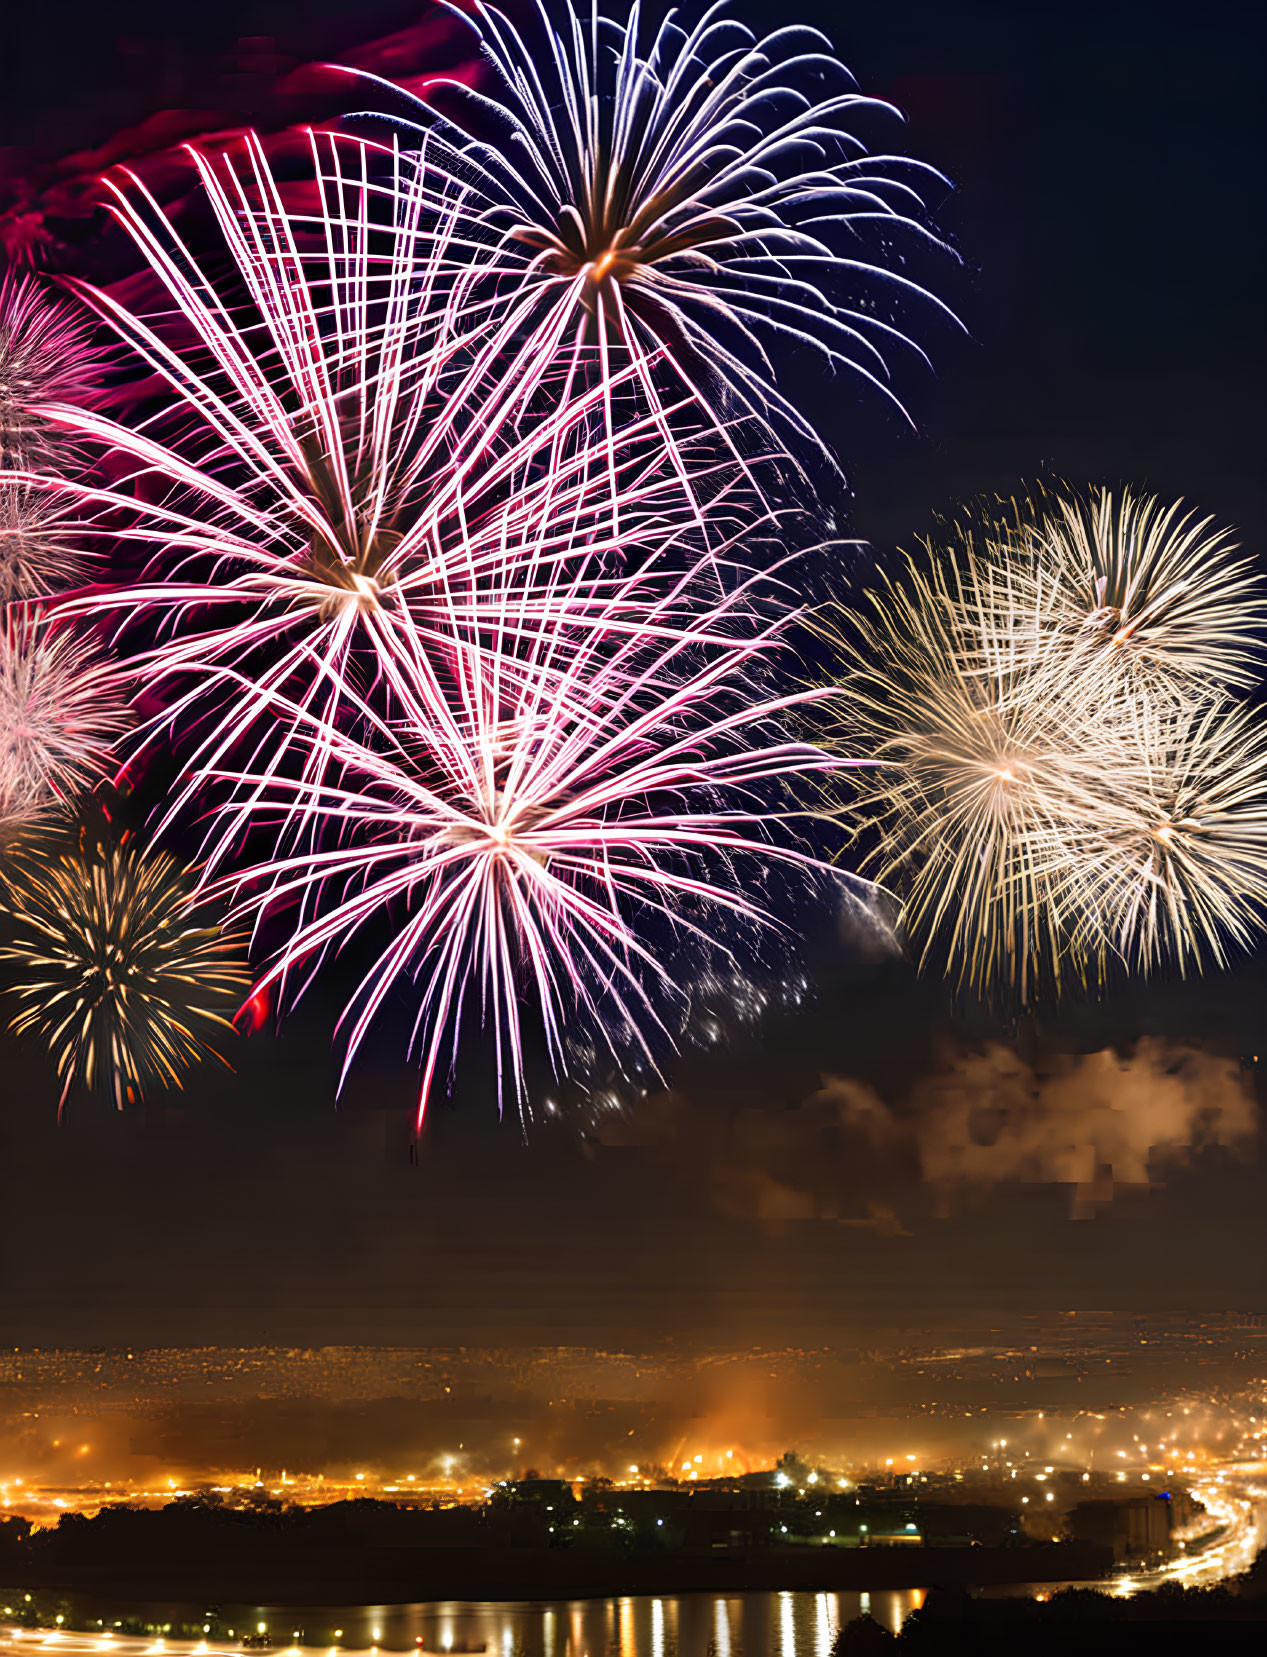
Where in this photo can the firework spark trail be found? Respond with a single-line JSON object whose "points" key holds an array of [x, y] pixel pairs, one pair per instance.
{"points": [[120, 977], [522, 828], [672, 207], [60, 714], [335, 494]]}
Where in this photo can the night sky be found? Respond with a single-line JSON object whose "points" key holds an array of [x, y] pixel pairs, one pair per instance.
{"points": [[1108, 162]]}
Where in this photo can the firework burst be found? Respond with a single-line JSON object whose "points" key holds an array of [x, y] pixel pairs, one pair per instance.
{"points": [[340, 491], [976, 800], [38, 555], [1182, 870], [1047, 814], [676, 202], [47, 356], [120, 977], [530, 834], [60, 714], [1128, 591]]}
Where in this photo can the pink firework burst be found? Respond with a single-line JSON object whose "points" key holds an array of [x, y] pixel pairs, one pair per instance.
{"points": [[533, 833], [47, 355], [60, 714], [39, 556], [343, 479], [676, 201]]}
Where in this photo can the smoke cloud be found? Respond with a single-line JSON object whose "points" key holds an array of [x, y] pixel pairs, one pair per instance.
{"points": [[1096, 1122]]}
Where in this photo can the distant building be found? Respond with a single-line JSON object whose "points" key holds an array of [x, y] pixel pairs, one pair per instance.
{"points": [[1138, 1530], [547, 1494]]}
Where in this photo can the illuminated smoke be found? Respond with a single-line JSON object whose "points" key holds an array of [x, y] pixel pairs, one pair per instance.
{"points": [[1095, 1122]]}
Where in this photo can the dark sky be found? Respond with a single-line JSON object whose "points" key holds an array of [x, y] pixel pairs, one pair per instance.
{"points": [[1108, 161]]}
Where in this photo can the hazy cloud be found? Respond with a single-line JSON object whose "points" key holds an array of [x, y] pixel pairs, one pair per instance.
{"points": [[982, 1117], [1095, 1122]]}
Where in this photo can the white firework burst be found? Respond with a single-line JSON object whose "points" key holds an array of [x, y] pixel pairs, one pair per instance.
{"points": [[1127, 590], [1049, 805], [678, 200]]}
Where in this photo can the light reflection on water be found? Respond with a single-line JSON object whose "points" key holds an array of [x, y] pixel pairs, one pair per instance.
{"points": [[788, 1624], [721, 1627]]}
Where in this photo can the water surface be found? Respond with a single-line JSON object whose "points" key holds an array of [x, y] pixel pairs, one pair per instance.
{"points": [[787, 1624]]}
